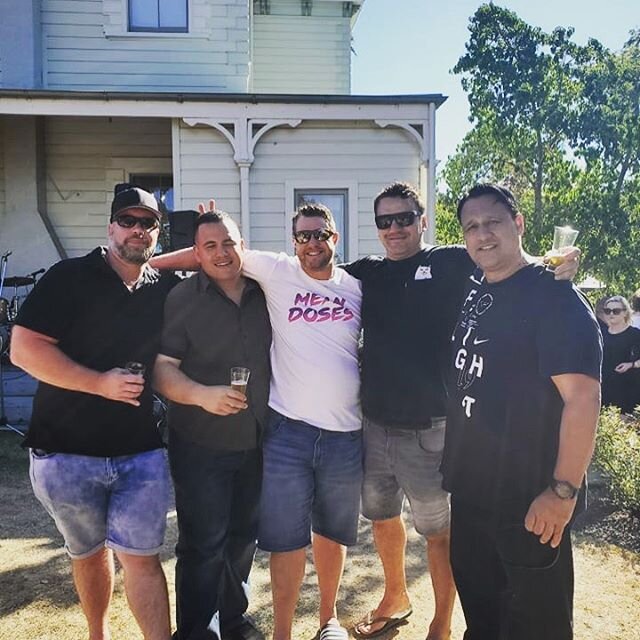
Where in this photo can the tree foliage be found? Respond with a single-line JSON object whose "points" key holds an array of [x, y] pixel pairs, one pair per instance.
{"points": [[560, 123]]}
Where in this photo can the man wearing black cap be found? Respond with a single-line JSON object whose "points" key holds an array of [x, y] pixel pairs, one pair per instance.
{"points": [[97, 460]]}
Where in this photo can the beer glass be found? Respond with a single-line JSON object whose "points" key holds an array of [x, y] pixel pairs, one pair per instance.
{"points": [[136, 368], [563, 237], [239, 379]]}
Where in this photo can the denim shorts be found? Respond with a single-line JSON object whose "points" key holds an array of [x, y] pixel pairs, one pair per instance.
{"points": [[405, 462], [119, 502], [312, 480]]}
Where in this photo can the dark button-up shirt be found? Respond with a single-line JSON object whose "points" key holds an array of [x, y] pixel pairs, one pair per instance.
{"points": [[209, 334]]}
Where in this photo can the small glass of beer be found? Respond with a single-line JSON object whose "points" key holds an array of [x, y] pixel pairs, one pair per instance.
{"points": [[563, 238], [239, 379]]}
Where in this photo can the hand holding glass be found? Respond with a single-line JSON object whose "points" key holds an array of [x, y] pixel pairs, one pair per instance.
{"points": [[563, 238], [239, 379]]}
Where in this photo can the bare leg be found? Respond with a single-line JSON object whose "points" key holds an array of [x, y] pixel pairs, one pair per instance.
{"points": [[287, 573], [328, 557], [146, 590], [443, 585], [93, 577], [390, 537]]}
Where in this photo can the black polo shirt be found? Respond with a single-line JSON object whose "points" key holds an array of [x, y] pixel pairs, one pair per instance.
{"points": [[209, 334], [409, 309], [99, 323]]}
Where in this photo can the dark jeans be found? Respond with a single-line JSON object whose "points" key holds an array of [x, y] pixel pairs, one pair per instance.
{"points": [[511, 587], [217, 498]]}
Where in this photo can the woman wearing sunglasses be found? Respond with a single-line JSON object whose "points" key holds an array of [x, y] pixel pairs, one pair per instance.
{"points": [[620, 376]]}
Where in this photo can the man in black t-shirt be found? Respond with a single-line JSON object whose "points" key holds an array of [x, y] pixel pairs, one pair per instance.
{"points": [[97, 459], [410, 300], [522, 414], [214, 321]]}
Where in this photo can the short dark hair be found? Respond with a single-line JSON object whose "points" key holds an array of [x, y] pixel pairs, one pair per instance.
{"points": [[635, 300], [313, 210], [498, 191], [213, 217], [402, 190]]}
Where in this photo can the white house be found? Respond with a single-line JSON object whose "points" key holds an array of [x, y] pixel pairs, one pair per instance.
{"points": [[246, 101]]}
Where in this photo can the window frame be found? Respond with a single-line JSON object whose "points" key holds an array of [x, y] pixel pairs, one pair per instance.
{"points": [[158, 29]]}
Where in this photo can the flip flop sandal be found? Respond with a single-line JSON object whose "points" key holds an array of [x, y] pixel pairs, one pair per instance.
{"points": [[332, 631], [389, 623]]}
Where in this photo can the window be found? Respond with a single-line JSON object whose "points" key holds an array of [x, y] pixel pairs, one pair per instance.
{"points": [[337, 201], [162, 188], [158, 15]]}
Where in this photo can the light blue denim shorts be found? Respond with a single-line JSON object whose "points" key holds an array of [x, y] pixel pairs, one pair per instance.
{"points": [[119, 502]]}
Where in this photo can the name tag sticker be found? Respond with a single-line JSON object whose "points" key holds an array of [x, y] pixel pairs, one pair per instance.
{"points": [[423, 273]]}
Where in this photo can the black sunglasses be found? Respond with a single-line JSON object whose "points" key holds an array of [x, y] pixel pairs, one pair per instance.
{"points": [[302, 237], [402, 219], [129, 222], [615, 310]]}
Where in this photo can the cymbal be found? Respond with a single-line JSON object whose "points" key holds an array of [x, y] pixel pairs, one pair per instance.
{"points": [[18, 281]]}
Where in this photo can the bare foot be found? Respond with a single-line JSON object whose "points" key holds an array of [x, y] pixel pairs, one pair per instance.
{"points": [[436, 632]]}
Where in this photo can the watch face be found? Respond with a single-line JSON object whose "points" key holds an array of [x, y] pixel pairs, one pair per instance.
{"points": [[563, 489]]}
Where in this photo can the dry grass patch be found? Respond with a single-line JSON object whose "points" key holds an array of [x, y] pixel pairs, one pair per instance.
{"points": [[37, 600]]}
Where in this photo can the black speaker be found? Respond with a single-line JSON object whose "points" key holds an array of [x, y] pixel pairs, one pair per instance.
{"points": [[182, 226]]}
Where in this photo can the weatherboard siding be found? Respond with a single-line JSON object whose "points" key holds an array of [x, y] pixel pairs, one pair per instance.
{"points": [[2, 179], [86, 47], [84, 158], [301, 54], [207, 170], [326, 154]]}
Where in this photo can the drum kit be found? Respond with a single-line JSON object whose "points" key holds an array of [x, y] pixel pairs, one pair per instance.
{"points": [[18, 287]]}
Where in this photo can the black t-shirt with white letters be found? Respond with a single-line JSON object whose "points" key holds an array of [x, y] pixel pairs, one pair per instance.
{"points": [[504, 411]]}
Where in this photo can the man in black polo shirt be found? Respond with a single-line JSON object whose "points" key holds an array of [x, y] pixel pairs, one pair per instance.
{"points": [[214, 321], [97, 460], [521, 422]]}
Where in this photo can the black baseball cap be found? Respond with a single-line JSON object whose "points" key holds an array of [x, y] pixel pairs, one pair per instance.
{"points": [[128, 196]]}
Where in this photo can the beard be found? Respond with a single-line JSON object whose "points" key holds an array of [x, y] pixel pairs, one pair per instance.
{"points": [[134, 255]]}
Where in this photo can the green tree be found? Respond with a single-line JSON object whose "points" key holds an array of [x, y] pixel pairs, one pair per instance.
{"points": [[561, 123], [521, 87]]}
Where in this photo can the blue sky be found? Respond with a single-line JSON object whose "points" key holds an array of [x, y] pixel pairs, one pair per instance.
{"points": [[410, 46]]}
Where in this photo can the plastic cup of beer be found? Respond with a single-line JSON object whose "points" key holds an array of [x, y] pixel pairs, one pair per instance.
{"points": [[239, 379], [135, 368], [563, 238]]}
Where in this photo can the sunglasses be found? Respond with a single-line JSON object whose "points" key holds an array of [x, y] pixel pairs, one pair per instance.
{"points": [[129, 222], [302, 237], [616, 311], [402, 219]]}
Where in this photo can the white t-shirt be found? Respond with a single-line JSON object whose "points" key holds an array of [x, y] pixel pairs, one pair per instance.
{"points": [[316, 326]]}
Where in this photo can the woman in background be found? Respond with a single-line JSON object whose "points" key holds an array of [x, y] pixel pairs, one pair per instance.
{"points": [[620, 378]]}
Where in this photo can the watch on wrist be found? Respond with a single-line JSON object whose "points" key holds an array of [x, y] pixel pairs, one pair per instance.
{"points": [[563, 489]]}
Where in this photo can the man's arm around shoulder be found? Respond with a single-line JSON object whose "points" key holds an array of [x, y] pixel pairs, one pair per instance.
{"points": [[40, 356]]}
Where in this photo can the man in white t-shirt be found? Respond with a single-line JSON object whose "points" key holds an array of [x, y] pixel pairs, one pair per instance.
{"points": [[312, 446]]}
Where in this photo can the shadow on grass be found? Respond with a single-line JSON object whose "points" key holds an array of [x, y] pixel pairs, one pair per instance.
{"points": [[23, 519]]}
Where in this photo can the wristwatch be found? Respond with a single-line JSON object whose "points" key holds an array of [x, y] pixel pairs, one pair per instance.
{"points": [[563, 489]]}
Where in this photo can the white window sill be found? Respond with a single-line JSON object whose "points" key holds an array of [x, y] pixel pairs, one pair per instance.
{"points": [[115, 33]]}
